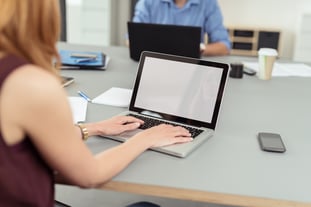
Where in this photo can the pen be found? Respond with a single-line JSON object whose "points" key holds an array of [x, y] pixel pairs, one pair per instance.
{"points": [[83, 95], [85, 60], [82, 55]]}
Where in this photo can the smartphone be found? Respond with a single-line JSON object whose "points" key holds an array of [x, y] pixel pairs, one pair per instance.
{"points": [[249, 71], [271, 142]]}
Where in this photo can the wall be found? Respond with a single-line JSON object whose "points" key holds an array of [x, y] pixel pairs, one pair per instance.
{"points": [[89, 22], [120, 15], [97, 22], [302, 50], [271, 14]]}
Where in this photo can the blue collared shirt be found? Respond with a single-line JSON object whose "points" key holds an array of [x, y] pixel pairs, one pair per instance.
{"points": [[202, 13]]}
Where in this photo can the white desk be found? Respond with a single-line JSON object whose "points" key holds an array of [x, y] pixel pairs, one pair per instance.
{"points": [[229, 168]]}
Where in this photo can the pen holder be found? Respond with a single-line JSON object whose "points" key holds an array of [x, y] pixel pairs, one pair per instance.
{"points": [[236, 70]]}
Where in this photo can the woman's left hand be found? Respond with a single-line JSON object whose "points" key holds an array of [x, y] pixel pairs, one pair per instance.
{"points": [[117, 125]]}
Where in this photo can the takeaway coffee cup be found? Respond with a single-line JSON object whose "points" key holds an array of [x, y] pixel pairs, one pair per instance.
{"points": [[266, 58]]}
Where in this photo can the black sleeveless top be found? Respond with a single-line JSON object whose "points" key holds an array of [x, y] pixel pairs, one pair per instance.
{"points": [[25, 179]]}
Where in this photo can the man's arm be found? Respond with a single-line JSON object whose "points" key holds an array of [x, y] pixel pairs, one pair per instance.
{"points": [[218, 37], [217, 48]]}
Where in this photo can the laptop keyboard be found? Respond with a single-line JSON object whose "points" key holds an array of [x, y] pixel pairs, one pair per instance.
{"points": [[149, 122]]}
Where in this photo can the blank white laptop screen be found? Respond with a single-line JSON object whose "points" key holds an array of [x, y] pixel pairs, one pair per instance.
{"points": [[193, 94]]}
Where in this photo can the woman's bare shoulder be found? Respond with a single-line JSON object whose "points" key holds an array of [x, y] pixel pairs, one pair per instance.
{"points": [[35, 77], [30, 82]]}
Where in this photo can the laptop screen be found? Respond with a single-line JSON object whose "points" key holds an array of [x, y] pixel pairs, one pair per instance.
{"points": [[179, 89], [170, 39]]}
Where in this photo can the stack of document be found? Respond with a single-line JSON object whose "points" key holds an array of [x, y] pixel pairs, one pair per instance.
{"points": [[83, 59]]}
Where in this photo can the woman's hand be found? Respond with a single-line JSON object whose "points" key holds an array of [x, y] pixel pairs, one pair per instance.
{"points": [[115, 125], [164, 134], [157, 136]]}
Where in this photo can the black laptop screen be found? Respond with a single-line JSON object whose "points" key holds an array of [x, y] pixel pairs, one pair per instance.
{"points": [[162, 38], [179, 89]]}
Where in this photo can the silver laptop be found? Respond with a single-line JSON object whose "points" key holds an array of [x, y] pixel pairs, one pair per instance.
{"points": [[177, 90]]}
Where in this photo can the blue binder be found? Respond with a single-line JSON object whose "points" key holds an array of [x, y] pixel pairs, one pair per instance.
{"points": [[82, 59]]}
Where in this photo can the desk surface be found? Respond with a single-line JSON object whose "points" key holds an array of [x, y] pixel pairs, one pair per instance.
{"points": [[229, 168]]}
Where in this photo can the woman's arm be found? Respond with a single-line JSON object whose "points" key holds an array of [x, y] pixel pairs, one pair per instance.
{"points": [[45, 115]]}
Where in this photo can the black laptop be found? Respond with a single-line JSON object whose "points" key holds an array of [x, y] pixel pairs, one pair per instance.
{"points": [[169, 39]]}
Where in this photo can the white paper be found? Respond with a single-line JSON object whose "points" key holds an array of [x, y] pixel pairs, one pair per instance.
{"points": [[78, 107], [115, 97], [294, 69], [284, 69]]}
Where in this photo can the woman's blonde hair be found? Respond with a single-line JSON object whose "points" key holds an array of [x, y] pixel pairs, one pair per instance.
{"points": [[30, 29]]}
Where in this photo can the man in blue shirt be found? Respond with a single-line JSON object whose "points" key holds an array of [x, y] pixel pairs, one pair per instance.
{"points": [[202, 13]]}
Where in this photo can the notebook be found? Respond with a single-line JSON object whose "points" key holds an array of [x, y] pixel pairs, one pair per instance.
{"points": [[170, 39], [178, 90]]}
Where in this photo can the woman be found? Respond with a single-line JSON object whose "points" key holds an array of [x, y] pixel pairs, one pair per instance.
{"points": [[36, 127]]}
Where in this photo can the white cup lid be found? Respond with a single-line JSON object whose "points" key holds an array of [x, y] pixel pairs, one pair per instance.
{"points": [[267, 51]]}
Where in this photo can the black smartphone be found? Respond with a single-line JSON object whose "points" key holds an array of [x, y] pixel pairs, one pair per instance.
{"points": [[249, 71], [271, 142]]}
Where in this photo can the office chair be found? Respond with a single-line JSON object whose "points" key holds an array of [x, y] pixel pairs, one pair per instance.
{"points": [[63, 35], [60, 204], [143, 204]]}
